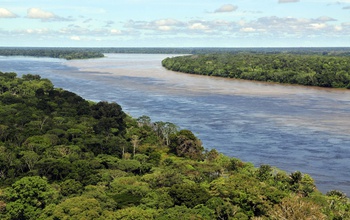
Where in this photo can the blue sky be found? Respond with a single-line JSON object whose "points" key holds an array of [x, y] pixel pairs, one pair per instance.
{"points": [[180, 23]]}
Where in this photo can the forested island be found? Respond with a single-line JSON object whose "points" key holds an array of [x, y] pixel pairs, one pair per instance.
{"points": [[63, 157], [323, 70]]}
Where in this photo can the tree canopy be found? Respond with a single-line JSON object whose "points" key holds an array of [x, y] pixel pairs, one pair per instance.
{"points": [[303, 69], [63, 53]]}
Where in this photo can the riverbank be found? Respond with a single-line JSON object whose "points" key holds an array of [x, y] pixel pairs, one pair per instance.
{"points": [[293, 128]]}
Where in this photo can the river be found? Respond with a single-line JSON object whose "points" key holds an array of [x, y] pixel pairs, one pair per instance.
{"points": [[290, 127]]}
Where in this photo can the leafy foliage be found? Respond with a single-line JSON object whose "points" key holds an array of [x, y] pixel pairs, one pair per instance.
{"points": [[64, 53], [303, 69], [27, 197]]}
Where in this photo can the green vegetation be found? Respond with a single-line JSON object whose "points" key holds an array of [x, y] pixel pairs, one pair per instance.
{"points": [[84, 53], [333, 51], [310, 70], [62, 157], [63, 53]]}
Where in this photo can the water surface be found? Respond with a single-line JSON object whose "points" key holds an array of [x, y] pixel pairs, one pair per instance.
{"points": [[291, 127]]}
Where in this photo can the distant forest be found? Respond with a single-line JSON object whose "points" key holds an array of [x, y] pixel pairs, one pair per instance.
{"points": [[62, 53], [83, 53], [326, 69]]}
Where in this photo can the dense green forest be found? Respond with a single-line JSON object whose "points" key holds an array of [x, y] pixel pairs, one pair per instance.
{"points": [[63, 157], [303, 69], [63, 53], [328, 51]]}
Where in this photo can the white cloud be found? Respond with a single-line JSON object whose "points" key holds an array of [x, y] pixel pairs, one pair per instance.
{"points": [[318, 26], [287, 1], [247, 29], [37, 31], [76, 38], [165, 28], [338, 28], [37, 13], [116, 31], [198, 26], [167, 22], [226, 8], [4, 13]]}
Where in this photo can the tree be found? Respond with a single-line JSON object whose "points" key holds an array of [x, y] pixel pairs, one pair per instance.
{"points": [[30, 158], [74, 208], [212, 155], [30, 77], [295, 208], [132, 213], [164, 130], [27, 197], [109, 115], [185, 144], [339, 205], [188, 194], [158, 199], [128, 191], [144, 120], [39, 143], [264, 172], [182, 212], [135, 143], [55, 169], [223, 209], [71, 187]]}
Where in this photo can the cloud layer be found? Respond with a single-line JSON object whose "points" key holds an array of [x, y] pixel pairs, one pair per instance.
{"points": [[91, 24]]}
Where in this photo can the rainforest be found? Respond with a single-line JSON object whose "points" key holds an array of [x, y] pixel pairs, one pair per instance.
{"points": [[321, 70]]}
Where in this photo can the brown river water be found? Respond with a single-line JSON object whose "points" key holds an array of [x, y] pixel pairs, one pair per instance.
{"points": [[290, 127]]}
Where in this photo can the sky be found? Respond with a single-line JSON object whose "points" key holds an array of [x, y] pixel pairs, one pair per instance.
{"points": [[176, 23]]}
